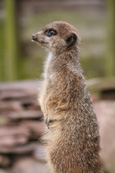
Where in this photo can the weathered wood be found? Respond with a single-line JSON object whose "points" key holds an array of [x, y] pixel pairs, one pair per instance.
{"points": [[20, 117], [11, 141], [20, 90], [110, 54], [101, 84], [10, 66], [10, 106], [21, 149], [22, 85], [16, 130], [49, 4], [36, 128], [4, 161], [17, 95], [23, 114], [1, 49]]}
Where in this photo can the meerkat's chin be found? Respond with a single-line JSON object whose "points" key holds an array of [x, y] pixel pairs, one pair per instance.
{"points": [[44, 46], [40, 42]]}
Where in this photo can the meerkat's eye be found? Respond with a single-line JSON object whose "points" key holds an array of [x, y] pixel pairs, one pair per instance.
{"points": [[50, 32]]}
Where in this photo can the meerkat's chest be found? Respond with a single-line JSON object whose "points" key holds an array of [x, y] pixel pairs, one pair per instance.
{"points": [[46, 65], [47, 69]]}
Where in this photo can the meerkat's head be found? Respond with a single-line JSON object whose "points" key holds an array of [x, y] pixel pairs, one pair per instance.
{"points": [[57, 35]]}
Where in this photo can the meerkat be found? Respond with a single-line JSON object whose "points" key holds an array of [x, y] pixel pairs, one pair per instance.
{"points": [[72, 138]]}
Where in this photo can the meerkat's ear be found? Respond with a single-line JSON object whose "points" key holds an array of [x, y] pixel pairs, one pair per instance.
{"points": [[71, 39]]}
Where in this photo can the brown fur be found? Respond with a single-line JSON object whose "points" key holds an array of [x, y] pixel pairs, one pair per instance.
{"points": [[72, 135]]}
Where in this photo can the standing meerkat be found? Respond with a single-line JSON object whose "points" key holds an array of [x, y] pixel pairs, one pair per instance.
{"points": [[72, 135]]}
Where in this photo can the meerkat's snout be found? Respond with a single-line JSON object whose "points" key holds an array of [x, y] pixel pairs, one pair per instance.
{"points": [[34, 38]]}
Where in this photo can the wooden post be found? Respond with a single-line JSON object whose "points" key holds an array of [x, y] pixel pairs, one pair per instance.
{"points": [[110, 56], [1, 50], [11, 53]]}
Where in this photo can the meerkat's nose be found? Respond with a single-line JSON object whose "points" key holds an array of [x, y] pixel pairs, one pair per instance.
{"points": [[34, 37]]}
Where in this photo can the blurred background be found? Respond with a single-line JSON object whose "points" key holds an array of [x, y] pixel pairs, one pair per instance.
{"points": [[21, 65], [22, 59]]}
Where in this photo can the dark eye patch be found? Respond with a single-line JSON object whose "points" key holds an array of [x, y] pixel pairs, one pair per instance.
{"points": [[50, 32]]}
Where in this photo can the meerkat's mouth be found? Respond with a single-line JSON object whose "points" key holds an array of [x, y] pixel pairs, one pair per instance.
{"points": [[40, 42], [43, 42]]}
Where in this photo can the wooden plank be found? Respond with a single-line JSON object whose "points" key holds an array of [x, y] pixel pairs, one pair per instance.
{"points": [[23, 114], [16, 130], [10, 106], [20, 85], [10, 67], [5, 161], [110, 54], [100, 84], [20, 149], [1, 48], [26, 90], [36, 128], [13, 141]]}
